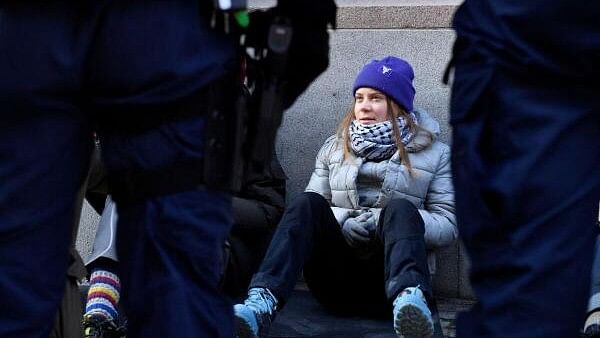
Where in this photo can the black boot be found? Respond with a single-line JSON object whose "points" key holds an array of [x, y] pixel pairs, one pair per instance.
{"points": [[98, 326]]}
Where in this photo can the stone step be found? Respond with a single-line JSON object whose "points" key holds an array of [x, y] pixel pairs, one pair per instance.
{"points": [[388, 14], [304, 317]]}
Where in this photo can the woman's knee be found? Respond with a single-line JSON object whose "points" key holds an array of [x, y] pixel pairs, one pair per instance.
{"points": [[403, 215], [309, 207], [401, 206], [312, 199]]}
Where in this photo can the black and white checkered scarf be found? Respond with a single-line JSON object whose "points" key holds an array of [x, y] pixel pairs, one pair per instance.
{"points": [[375, 142]]}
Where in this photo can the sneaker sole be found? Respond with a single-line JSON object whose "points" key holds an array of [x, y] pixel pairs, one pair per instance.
{"points": [[243, 329], [411, 322]]}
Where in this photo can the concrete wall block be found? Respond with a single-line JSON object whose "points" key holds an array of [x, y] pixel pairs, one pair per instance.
{"points": [[394, 14], [396, 17], [446, 278]]}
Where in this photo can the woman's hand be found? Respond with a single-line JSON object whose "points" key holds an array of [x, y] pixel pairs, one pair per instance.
{"points": [[359, 230]]}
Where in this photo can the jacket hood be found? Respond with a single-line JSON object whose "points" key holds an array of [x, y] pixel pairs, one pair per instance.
{"points": [[424, 138]]}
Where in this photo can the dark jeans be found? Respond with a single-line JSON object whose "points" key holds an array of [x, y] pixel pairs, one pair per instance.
{"points": [[338, 275]]}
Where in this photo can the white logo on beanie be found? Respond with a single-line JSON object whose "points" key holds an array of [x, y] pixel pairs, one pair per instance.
{"points": [[385, 70]]}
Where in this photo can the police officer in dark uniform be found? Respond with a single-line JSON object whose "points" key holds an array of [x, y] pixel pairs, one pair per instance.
{"points": [[525, 113], [144, 74]]}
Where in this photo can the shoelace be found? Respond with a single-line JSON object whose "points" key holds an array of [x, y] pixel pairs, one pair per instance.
{"points": [[409, 291], [262, 300]]}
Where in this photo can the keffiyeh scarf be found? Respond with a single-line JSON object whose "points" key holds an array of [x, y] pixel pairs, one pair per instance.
{"points": [[375, 142]]}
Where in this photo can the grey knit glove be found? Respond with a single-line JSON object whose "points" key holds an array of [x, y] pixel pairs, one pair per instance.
{"points": [[359, 230]]}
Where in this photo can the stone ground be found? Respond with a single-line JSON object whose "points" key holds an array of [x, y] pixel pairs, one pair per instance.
{"points": [[304, 317]]}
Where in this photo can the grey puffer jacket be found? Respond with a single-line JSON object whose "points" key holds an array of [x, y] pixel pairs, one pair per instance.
{"points": [[429, 189]]}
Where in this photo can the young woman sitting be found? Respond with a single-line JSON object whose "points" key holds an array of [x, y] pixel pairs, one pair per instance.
{"points": [[380, 196]]}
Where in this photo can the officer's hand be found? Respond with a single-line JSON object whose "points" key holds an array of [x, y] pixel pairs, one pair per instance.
{"points": [[355, 230]]}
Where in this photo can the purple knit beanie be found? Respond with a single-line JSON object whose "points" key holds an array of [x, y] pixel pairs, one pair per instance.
{"points": [[391, 76]]}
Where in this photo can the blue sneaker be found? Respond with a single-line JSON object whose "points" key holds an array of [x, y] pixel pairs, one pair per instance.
{"points": [[592, 331], [254, 317], [592, 325], [412, 317]]}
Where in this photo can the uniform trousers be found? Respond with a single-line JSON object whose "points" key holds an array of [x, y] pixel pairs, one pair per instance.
{"points": [[67, 68], [526, 166]]}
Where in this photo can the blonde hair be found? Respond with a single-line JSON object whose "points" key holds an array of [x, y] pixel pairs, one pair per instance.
{"points": [[393, 112]]}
